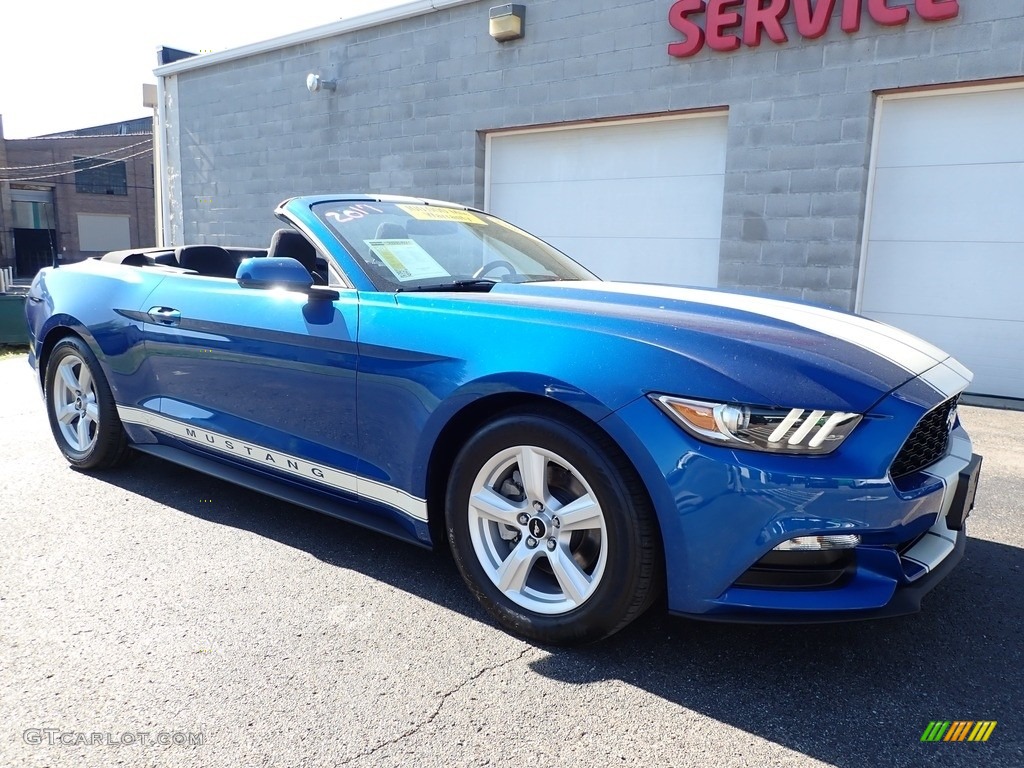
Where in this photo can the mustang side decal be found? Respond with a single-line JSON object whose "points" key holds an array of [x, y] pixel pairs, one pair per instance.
{"points": [[283, 462]]}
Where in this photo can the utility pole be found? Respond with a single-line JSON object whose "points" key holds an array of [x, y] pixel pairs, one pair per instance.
{"points": [[6, 238]]}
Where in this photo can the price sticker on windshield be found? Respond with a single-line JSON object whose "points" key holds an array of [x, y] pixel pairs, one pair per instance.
{"points": [[433, 213], [406, 259]]}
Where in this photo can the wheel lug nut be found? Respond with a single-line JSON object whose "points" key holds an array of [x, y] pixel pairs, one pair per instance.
{"points": [[538, 506], [551, 545], [523, 518], [556, 522], [531, 542]]}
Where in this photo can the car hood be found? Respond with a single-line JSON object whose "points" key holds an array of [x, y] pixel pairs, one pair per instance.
{"points": [[744, 348]]}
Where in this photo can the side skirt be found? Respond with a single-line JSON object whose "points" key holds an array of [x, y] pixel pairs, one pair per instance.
{"points": [[268, 486]]}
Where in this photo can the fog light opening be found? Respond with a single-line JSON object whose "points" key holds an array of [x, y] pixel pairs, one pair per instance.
{"points": [[819, 543]]}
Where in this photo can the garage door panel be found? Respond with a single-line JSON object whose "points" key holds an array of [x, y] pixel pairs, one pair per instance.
{"points": [[991, 349], [944, 256], [639, 201], [894, 270], [941, 203], [659, 207], [672, 261], [598, 152], [946, 129]]}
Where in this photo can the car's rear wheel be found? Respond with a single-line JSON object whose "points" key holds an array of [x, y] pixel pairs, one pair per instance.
{"points": [[552, 530], [83, 415]]}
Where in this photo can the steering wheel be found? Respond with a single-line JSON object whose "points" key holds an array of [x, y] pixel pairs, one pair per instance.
{"points": [[507, 266]]}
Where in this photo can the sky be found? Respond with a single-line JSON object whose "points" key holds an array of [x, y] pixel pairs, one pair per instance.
{"points": [[66, 65]]}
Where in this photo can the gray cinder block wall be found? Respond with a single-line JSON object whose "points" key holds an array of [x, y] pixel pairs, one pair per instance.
{"points": [[416, 96]]}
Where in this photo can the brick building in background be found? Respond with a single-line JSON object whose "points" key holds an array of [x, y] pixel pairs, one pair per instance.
{"points": [[75, 194]]}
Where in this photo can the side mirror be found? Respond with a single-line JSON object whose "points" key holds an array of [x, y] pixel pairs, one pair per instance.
{"points": [[267, 273]]}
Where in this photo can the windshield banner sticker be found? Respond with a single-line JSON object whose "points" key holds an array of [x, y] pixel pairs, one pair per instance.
{"points": [[352, 213], [513, 228], [433, 213], [406, 259]]}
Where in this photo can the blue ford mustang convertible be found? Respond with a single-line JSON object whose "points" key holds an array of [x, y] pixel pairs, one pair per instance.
{"points": [[435, 373]]}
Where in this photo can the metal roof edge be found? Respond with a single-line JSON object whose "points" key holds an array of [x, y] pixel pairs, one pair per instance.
{"points": [[376, 18]]}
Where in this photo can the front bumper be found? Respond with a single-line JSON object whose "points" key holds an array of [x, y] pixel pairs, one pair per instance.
{"points": [[904, 599], [722, 511]]}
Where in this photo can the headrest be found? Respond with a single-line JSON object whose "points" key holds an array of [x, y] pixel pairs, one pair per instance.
{"points": [[287, 243]]}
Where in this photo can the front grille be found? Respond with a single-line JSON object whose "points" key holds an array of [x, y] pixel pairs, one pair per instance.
{"points": [[927, 443]]}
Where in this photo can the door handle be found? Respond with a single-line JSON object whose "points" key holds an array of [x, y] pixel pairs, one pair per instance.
{"points": [[164, 316]]}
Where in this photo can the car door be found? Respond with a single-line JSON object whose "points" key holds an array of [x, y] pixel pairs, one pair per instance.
{"points": [[261, 377]]}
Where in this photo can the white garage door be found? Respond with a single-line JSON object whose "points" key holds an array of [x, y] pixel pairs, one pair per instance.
{"points": [[638, 201], [945, 241]]}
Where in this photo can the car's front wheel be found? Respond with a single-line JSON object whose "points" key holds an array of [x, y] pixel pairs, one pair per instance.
{"points": [[552, 530], [83, 415]]}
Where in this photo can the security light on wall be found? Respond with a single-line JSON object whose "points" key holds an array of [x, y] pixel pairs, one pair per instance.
{"points": [[315, 84], [507, 22]]}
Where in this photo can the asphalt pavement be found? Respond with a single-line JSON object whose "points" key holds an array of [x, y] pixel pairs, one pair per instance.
{"points": [[152, 616]]}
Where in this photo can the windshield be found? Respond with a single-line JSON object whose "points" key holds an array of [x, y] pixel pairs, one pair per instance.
{"points": [[414, 246]]}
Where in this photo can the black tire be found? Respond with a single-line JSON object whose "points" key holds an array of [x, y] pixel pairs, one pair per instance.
{"points": [[91, 435], [605, 591]]}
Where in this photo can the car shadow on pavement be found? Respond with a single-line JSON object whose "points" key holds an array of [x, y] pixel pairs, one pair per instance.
{"points": [[853, 694], [419, 571], [850, 694]]}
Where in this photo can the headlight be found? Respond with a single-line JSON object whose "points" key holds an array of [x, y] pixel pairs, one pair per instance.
{"points": [[775, 430]]}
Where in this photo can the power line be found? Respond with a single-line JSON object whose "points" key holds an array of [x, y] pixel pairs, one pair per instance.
{"points": [[65, 162], [79, 170], [128, 186]]}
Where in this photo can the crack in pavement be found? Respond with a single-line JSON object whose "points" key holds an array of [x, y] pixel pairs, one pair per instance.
{"points": [[437, 710]]}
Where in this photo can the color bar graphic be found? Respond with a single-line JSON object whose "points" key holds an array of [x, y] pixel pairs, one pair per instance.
{"points": [[959, 730]]}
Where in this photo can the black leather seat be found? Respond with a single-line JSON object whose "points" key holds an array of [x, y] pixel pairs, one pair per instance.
{"points": [[209, 260], [287, 243]]}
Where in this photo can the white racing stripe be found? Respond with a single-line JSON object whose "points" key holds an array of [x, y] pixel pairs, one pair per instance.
{"points": [[268, 458], [965, 372], [946, 380], [936, 545], [899, 347]]}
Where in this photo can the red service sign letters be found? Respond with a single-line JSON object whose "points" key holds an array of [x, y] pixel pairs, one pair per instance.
{"points": [[728, 23]]}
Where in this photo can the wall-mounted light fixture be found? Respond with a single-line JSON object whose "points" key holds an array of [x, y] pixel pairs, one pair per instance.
{"points": [[507, 22], [315, 83]]}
